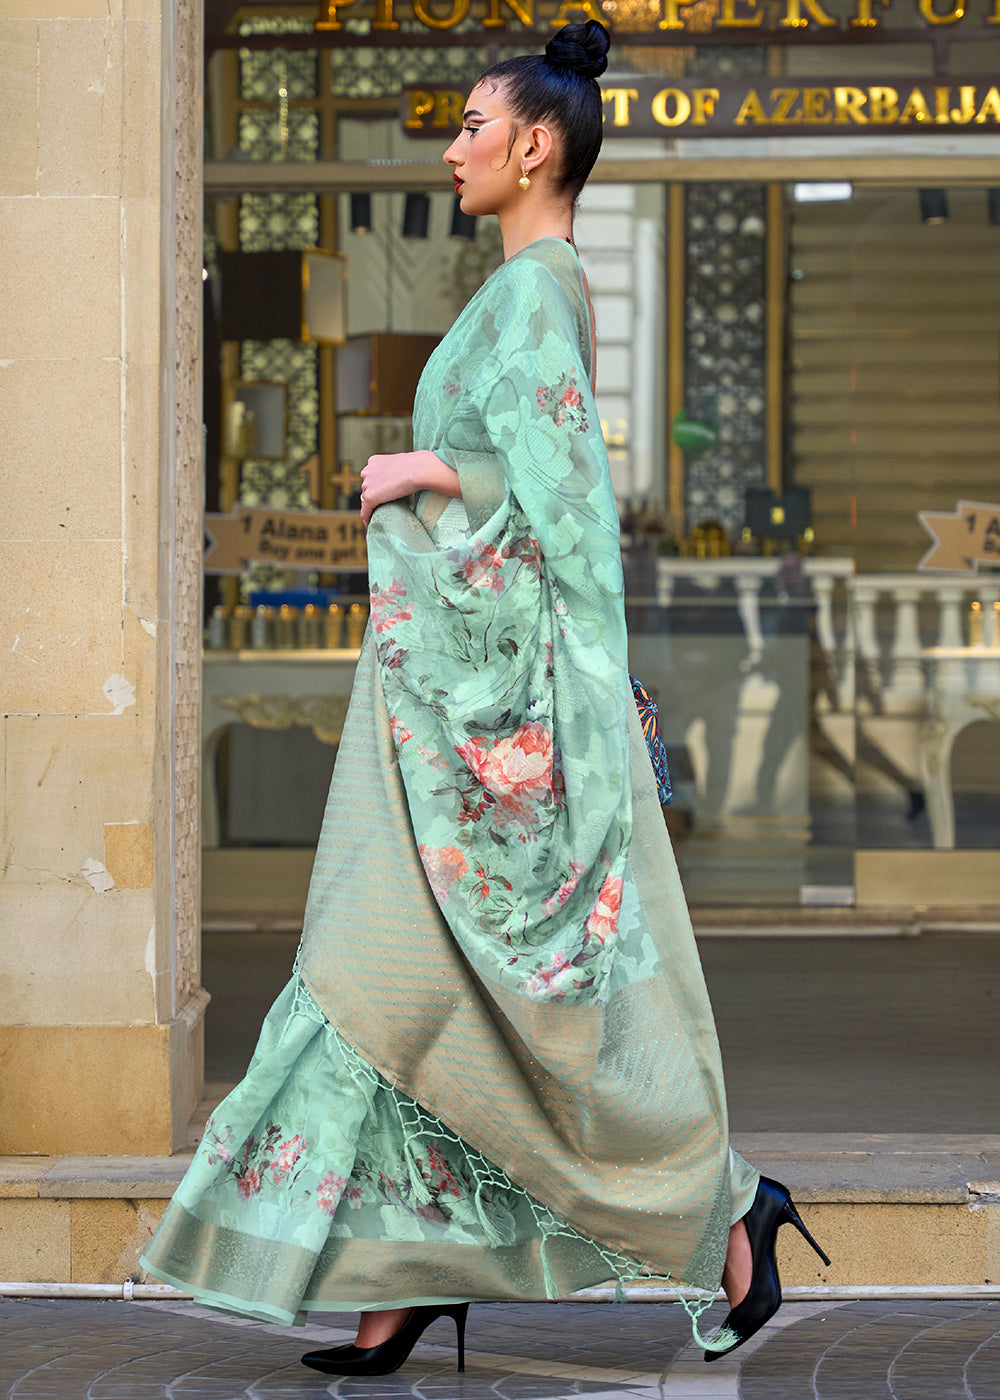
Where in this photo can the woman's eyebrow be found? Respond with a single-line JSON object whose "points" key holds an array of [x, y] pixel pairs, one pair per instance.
{"points": [[471, 113]]}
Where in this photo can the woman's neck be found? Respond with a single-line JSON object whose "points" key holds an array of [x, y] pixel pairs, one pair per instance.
{"points": [[521, 224]]}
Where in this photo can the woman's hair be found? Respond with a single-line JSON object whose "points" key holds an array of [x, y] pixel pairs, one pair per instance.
{"points": [[560, 86]]}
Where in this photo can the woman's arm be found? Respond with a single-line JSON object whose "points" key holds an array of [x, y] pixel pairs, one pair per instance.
{"points": [[390, 476]]}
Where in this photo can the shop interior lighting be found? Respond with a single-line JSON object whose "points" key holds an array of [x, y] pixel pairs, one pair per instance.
{"points": [[933, 206], [993, 206], [462, 225], [821, 191], [361, 213], [416, 215]]}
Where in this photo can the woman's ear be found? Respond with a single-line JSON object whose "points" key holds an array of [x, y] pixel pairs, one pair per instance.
{"points": [[538, 148]]}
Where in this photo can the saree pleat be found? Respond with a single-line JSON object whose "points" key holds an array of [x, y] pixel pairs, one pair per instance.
{"points": [[495, 1072]]}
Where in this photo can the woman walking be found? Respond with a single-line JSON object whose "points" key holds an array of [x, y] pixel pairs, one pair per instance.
{"points": [[494, 1074]]}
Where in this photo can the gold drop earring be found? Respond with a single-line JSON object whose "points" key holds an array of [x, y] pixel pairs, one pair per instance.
{"points": [[524, 181]]}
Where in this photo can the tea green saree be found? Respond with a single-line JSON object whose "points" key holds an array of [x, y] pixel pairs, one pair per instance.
{"points": [[494, 1073]]}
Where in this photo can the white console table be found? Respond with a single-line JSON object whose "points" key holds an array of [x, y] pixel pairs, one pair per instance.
{"points": [[270, 690], [963, 687]]}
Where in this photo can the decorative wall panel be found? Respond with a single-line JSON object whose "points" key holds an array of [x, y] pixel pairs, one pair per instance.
{"points": [[278, 130], [725, 322], [725, 350]]}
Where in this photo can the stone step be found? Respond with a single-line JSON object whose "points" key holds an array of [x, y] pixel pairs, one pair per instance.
{"points": [[890, 1209]]}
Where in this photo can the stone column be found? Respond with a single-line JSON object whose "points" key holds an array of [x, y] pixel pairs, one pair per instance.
{"points": [[100, 1004]]}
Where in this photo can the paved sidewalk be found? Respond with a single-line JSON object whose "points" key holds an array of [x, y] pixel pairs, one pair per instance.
{"points": [[175, 1351]]}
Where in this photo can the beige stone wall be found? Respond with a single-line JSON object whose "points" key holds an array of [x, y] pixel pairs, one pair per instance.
{"points": [[98, 634]]}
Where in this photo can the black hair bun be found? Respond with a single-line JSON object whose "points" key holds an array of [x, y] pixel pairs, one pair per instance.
{"points": [[582, 47]]}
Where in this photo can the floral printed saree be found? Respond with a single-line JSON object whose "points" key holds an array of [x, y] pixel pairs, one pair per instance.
{"points": [[494, 1074]]}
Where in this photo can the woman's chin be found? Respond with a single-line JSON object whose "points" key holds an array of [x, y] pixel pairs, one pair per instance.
{"points": [[477, 208]]}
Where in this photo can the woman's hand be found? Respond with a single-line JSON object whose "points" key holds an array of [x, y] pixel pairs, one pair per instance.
{"points": [[391, 476]]}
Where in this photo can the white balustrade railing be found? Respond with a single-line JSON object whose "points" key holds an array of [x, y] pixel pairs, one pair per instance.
{"points": [[882, 623], [899, 617], [826, 583]]}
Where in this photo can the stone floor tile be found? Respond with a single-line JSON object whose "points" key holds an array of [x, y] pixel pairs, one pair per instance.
{"points": [[853, 1351]]}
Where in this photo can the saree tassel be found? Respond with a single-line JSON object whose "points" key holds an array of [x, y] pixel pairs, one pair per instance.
{"points": [[494, 1237], [694, 1309], [548, 1278], [418, 1182]]}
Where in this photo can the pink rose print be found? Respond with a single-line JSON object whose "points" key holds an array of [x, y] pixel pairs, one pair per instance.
{"points": [[329, 1190], [399, 731], [518, 766], [248, 1183], [563, 403], [603, 920], [387, 607], [512, 811], [485, 570], [440, 1177], [443, 867], [557, 900], [288, 1154], [352, 1195]]}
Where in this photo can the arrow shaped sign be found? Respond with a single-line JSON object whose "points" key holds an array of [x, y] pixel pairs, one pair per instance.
{"points": [[963, 538], [293, 539]]}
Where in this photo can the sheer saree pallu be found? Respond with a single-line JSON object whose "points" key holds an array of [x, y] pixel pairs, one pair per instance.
{"points": [[495, 1073]]}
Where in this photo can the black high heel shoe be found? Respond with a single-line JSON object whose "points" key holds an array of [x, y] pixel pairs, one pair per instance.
{"points": [[772, 1207], [388, 1356]]}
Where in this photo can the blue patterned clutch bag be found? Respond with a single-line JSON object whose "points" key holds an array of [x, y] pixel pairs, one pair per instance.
{"points": [[650, 721]]}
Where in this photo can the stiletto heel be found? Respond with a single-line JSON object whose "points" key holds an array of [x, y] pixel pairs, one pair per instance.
{"points": [[460, 1315], [389, 1355], [772, 1207], [792, 1217]]}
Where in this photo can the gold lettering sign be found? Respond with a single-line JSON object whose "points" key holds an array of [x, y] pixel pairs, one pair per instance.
{"points": [[422, 12], [883, 105], [927, 10], [751, 107], [794, 18], [847, 105], [731, 20], [703, 105], [751, 18], [448, 110], [525, 13], [328, 13], [671, 107], [865, 18], [621, 98], [417, 104], [990, 110], [751, 110], [384, 17], [671, 13]]}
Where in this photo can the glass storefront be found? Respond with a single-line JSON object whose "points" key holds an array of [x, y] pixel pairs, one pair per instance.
{"points": [[797, 355]]}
